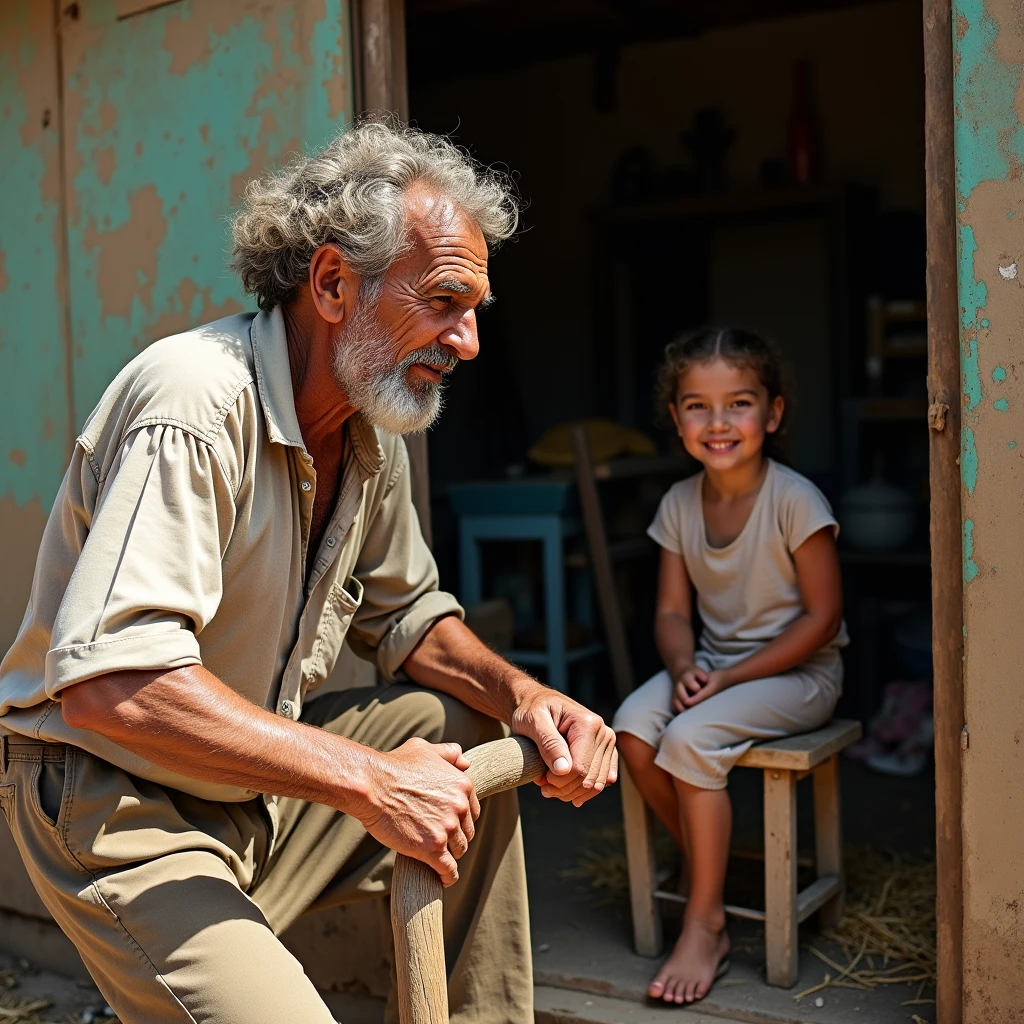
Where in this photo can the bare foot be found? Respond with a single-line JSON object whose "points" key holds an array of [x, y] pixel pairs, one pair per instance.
{"points": [[689, 973]]}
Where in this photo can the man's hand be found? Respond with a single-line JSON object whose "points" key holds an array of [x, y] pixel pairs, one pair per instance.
{"points": [[577, 746], [696, 685], [423, 805]]}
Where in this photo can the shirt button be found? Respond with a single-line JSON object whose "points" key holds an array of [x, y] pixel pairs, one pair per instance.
{"points": [[331, 542], [306, 485], [285, 707]]}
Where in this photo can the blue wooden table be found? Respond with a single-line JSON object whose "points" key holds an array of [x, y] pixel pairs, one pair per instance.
{"points": [[527, 509]]}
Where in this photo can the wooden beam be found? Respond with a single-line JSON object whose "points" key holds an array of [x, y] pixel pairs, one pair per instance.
{"points": [[944, 387], [601, 566], [378, 31]]}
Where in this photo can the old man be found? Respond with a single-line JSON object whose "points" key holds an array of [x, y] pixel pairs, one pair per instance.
{"points": [[237, 507]]}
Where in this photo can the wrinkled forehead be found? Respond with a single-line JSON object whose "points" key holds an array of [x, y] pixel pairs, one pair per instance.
{"points": [[441, 232]]}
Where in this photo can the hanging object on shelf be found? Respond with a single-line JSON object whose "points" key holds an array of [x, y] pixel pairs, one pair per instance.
{"points": [[804, 143]]}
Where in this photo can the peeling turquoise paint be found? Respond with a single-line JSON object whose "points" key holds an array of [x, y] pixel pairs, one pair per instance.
{"points": [[988, 146], [1012, 445], [33, 377], [988, 135], [163, 141], [968, 459], [970, 566], [165, 116], [973, 296]]}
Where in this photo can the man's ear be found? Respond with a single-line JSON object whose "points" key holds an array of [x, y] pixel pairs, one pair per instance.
{"points": [[333, 285]]}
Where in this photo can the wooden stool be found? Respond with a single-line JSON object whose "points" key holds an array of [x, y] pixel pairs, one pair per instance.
{"points": [[784, 763]]}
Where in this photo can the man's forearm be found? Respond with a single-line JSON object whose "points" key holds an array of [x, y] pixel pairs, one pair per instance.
{"points": [[189, 722], [452, 659]]}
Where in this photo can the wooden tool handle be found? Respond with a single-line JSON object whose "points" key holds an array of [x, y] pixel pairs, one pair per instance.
{"points": [[416, 889]]}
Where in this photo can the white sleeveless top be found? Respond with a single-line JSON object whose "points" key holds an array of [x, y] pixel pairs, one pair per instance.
{"points": [[747, 591]]}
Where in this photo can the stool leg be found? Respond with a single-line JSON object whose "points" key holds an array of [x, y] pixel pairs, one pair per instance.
{"points": [[638, 826], [780, 924], [828, 836], [554, 611]]}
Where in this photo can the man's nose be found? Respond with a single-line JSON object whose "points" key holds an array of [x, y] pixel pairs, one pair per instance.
{"points": [[462, 336]]}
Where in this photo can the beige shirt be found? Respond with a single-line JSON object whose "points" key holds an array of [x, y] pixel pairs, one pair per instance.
{"points": [[179, 537], [747, 591]]}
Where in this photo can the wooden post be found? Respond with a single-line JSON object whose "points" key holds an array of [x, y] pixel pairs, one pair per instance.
{"points": [[828, 836], [944, 389], [638, 827], [601, 566], [780, 923], [378, 29]]}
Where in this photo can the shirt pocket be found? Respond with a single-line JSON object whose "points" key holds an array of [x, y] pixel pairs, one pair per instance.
{"points": [[342, 603]]}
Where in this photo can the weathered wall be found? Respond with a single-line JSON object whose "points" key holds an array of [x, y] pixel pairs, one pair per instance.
{"points": [[989, 140], [118, 237], [34, 412]]}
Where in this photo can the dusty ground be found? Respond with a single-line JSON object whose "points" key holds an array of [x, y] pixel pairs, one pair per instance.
{"points": [[55, 997]]}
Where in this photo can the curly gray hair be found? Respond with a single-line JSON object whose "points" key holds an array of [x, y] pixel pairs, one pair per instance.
{"points": [[351, 192]]}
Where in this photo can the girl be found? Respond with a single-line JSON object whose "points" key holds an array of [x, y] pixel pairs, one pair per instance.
{"points": [[756, 541]]}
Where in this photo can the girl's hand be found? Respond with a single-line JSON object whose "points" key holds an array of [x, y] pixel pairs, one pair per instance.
{"points": [[712, 683], [691, 681]]}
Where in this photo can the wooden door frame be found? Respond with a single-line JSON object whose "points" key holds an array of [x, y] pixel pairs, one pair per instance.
{"points": [[944, 390], [379, 64], [381, 85]]}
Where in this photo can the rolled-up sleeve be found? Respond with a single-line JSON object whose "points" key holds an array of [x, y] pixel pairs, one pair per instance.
{"points": [[401, 599], [149, 576]]}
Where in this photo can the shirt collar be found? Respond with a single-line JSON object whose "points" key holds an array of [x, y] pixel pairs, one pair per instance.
{"points": [[274, 382]]}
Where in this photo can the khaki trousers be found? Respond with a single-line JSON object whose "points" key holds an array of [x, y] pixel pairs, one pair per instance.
{"points": [[175, 903]]}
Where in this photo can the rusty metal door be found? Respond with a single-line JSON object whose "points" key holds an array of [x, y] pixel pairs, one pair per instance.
{"points": [[169, 108]]}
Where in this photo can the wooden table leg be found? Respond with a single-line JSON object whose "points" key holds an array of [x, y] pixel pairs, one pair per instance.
{"points": [[828, 836], [638, 826], [780, 925]]}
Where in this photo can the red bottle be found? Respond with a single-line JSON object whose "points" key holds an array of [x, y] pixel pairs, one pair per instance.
{"points": [[804, 164]]}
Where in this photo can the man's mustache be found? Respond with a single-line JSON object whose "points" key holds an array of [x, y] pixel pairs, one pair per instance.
{"points": [[435, 356]]}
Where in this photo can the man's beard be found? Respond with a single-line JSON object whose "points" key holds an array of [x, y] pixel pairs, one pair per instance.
{"points": [[379, 388]]}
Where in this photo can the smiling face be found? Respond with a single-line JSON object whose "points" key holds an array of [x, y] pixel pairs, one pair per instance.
{"points": [[392, 355], [722, 413]]}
